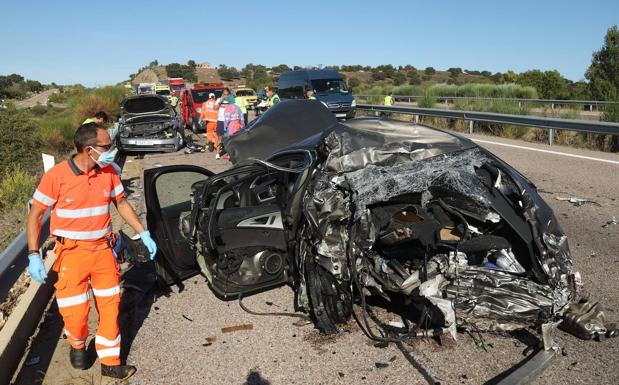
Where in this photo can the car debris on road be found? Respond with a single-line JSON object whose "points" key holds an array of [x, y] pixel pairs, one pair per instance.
{"points": [[428, 221]]}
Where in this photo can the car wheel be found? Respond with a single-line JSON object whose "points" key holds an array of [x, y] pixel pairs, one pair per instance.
{"points": [[330, 301], [180, 141], [195, 128]]}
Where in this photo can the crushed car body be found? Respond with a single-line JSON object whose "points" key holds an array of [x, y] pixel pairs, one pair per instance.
{"points": [[149, 123], [372, 206]]}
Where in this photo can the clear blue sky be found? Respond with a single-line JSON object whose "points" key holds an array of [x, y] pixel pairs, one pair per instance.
{"points": [[96, 44]]}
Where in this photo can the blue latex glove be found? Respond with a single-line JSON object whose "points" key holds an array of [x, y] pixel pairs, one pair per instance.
{"points": [[36, 268], [149, 243]]}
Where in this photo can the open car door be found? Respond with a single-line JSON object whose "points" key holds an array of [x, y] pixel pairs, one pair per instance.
{"points": [[244, 235], [168, 194]]}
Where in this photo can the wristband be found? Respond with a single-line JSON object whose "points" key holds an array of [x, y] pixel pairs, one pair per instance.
{"points": [[34, 252]]}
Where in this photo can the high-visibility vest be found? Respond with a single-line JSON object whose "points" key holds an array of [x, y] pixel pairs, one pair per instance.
{"points": [[312, 97], [388, 100], [209, 111], [80, 201], [242, 103], [273, 100], [89, 120]]}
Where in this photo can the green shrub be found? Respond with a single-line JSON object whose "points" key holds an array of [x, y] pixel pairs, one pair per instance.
{"points": [[19, 143], [427, 99], [16, 187], [56, 134], [91, 104]]}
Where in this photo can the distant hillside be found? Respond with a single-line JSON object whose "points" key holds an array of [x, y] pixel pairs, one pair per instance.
{"points": [[159, 75]]}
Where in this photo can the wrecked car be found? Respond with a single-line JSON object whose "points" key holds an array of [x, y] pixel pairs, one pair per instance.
{"points": [[149, 123], [370, 207]]}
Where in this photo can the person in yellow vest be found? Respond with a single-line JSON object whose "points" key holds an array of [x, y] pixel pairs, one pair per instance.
{"points": [[309, 93], [100, 118], [174, 100], [209, 115], [242, 103], [389, 99]]}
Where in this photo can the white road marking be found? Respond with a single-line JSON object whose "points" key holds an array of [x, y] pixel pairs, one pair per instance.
{"points": [[547, 151]]}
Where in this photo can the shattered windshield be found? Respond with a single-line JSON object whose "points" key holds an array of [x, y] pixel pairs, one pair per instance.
{"points": [[329, 86]]}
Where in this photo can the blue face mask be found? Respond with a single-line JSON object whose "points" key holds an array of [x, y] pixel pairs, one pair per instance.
{"points": [[105, 158]]}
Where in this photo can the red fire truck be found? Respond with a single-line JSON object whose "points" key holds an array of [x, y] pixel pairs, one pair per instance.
{"points": [[176, 85], [193, 98]]}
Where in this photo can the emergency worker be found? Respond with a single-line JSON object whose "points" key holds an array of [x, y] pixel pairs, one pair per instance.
{"points": [[389, 99], [241, 101], [272, 97], [174, 100], [100, 118], [209, 115], [309, 93], [79, 192]]}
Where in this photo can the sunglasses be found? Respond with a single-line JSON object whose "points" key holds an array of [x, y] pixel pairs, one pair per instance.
{"points": [[105, 146]]}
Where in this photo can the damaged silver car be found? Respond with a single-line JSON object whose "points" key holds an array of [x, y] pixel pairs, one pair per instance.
{"points": [[149, 123], [371, 207]]}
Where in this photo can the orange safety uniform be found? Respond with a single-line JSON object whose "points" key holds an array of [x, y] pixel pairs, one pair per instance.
{"points": [[209, 114], [81, 223]]}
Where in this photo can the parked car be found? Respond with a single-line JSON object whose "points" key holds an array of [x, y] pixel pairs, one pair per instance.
{"points": [[373, 206], [191, 102], [328, 85], [149, 123], [248, 94]]}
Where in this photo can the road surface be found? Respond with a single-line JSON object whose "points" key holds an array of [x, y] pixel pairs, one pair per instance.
{"points": [[179, 338]]}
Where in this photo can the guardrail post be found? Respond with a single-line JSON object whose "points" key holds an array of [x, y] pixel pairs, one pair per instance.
{"points": [[590, 107], [416, 118], [552, 106], [471, 123], [550, 136]]}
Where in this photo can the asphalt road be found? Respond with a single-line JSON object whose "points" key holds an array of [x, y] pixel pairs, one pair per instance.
{"points": [[179, 337]]}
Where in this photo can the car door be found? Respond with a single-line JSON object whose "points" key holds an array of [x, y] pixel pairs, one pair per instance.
{"points": [[245, 232], [168, 196]]}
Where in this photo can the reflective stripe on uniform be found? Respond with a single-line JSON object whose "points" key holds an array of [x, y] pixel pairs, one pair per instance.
{"points": [[106, 292], [105, 342], [47, 201], [117, 190], [77, 342], [72, 301], [82, 234], [83, 213], [110, 352]]}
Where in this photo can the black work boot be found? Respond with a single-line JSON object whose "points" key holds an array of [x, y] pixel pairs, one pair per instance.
{"points": [[119, 372], [78, 358]]}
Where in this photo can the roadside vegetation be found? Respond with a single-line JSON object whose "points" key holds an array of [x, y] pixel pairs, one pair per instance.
{"points": [[26, 133]]}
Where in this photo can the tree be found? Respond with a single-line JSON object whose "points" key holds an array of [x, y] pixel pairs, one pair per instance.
{"points": [[154, 63], [228, 73], [549, 84], [378, 75], [280, 68], [510, 77], [429, 71], [413, 77], [191, 63], [454, 71], [603, 73], [399, 78], [176, 70], [354, 82]]}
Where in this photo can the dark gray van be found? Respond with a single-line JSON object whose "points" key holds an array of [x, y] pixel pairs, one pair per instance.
{"points": [[328, 85]]}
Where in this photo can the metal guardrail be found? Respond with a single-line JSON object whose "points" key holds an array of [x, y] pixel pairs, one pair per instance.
{"points": [[591, 127], [552, 102], [13, 260]]}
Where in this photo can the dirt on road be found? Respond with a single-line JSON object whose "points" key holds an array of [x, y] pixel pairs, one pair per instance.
{"points": [[40, 98]]}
